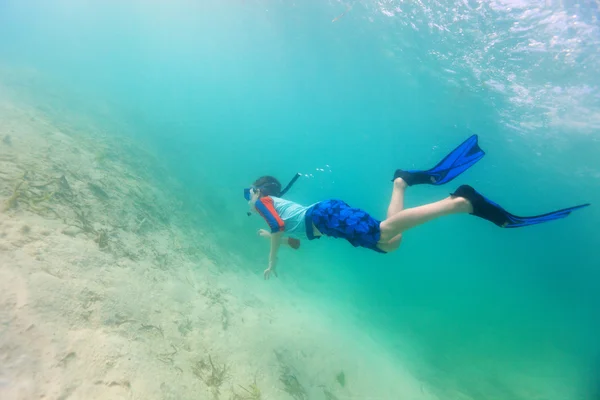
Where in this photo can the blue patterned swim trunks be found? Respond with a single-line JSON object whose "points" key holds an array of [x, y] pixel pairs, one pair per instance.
{"points": [[337, 219]]}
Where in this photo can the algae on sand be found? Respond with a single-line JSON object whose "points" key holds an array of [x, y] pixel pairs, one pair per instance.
{"points": [[12, 200], [328, 395], [212, 376], [341, 378], [291, 384], [252, 392], [98, 191], [31, 195]]}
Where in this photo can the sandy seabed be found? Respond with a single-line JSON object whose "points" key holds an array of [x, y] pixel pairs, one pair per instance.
{"points": [[107, 293]]}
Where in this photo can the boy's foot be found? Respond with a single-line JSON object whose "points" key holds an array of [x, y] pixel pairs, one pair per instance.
{"points": [[493, 212], [482, 207], [454, 164]]}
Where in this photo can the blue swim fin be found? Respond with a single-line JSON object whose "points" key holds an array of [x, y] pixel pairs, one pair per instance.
{"points": [[454, 164], [488, 210]]}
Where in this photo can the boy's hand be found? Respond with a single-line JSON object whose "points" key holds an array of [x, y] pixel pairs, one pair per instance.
{"points": [[272, 269], [293, 243], [264, 233], [287, 241], [268, 272]]}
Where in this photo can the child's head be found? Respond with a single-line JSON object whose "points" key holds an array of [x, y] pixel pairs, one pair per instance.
{"points": [[263, 186], [267, 186]]}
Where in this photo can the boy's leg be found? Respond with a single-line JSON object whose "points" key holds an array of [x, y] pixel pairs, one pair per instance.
{"points": [[411, 217], [397, 201], [396, 205]]}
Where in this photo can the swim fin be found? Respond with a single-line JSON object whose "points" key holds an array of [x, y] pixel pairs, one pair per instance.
{"points": [[454, 164], [488, 210]]}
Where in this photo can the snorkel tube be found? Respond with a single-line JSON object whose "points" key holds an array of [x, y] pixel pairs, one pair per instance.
{"points": [[289, 185]]}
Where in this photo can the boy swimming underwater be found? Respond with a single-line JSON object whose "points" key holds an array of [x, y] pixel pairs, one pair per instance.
{"points": [[337, 219]]}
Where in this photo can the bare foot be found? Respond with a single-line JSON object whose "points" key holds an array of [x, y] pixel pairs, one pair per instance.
{"points": [[399, 183], [463, 204]]}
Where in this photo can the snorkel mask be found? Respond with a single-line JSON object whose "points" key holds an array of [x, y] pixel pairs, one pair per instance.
{"points": [[248, 192]]}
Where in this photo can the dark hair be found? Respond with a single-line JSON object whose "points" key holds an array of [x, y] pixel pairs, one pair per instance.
{"points": [[268, 185]]}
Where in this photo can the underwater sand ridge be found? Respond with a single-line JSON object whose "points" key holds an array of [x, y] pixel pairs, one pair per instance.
{"points": [[107, 291]]}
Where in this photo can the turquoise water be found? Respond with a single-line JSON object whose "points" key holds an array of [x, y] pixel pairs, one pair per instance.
{"points": [[229, 91]]}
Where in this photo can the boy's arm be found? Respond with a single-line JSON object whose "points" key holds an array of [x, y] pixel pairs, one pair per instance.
{"points": [[275, 243], [285, 240], [266, 208]]}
